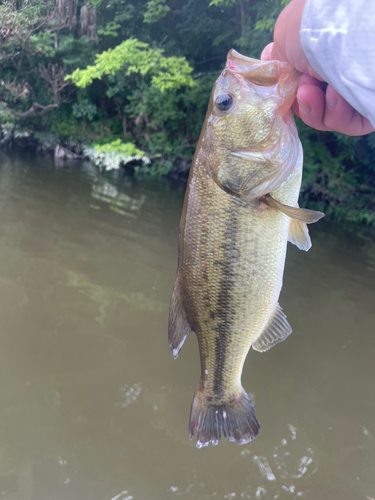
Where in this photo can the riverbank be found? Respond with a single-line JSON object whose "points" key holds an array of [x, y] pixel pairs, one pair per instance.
{"points": [[108, 156], [338, 178]]}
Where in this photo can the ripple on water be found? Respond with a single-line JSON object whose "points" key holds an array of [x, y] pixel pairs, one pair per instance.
{"points": [[129, 394]]}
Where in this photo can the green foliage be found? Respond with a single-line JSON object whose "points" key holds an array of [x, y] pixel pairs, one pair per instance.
{"points": [[268, 10], [115, 154], [62, 123], [110, 29], [84, 109], [155, 169], [7, 119], [46, 139], [139, 84], [339, 177], [224, 3], [117, 146], [23, 20], [67, 129], [73, 51], [156, 10], [133, 56]]}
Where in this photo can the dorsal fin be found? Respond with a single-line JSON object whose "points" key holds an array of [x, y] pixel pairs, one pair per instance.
{"points": [[276, 331]]}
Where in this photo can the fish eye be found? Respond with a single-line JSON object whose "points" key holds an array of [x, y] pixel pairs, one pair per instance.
{"points": [[224, 102]]}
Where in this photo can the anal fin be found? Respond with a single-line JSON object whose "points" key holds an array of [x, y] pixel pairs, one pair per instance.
{"points": [[277, 330], [178, 327]]}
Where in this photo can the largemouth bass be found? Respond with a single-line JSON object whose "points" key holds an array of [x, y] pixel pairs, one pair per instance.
{"points": [[240, 210]]}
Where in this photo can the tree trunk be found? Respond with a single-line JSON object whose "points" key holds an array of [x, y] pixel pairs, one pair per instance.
{"points": [[66, 11], [88, 22], [124, 125], [242, 17]]}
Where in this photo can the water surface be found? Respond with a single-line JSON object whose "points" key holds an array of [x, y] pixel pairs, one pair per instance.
{"points": [[93, 406]]}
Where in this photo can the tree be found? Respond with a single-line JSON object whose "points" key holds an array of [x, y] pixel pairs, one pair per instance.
{"points": [[128, 70], [143, 70]]}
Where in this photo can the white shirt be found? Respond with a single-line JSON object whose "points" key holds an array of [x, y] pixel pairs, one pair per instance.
{"points": [[338, 38]]}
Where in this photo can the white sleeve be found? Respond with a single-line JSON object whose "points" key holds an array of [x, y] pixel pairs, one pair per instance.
{"points": [[338, 38]]}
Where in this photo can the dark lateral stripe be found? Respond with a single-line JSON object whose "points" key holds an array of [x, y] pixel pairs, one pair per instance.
{"points": [[224, 306]]}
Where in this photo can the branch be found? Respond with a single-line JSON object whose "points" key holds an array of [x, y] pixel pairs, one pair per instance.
{"points": [[209, 60], [198, 75], [10, 56], [55, 77], [33, 110]]}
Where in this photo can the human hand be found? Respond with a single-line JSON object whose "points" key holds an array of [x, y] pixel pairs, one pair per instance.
{"points": [[316, 103]]}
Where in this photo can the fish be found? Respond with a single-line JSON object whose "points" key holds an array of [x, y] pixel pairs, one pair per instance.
{"points": [[240, 210]]}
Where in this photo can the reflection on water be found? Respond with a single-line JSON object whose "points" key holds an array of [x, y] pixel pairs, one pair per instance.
{"points": [[118, 202], [107, 298], [93, 406]]}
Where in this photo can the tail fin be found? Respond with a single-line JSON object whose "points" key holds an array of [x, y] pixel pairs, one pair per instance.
{"points": [[236, 419]]}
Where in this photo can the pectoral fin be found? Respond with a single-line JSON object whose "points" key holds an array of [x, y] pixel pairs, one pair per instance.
{"points": [[277, 330], [299, 235], [179, 327], [298, 232], [296, 213]]}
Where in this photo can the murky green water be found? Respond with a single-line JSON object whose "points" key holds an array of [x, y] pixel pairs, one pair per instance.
{"points": [[92, 404]]}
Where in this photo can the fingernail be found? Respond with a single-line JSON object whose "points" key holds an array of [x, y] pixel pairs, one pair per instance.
{"points": [[331, 98], [305, 108]]}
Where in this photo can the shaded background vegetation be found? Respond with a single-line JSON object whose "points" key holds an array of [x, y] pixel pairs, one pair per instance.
{"points": [[150, 69]]}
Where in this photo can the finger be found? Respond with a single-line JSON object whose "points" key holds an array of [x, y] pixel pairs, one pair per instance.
{"points": [[335, 115], [311, 104], [287, 42], [339, 115], [304, 80], [275, 53], [266, 53]]}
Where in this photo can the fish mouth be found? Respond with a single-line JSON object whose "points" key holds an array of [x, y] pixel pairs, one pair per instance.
{"points": [[269, 71], [237, 59], [266, 74]]}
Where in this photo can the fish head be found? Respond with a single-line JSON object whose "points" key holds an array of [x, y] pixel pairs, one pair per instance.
{"points": [[250, 102]]}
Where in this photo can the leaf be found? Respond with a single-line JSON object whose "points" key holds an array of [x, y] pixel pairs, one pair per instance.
{"points": [[222, 3], [156, 10], [133, 56], [110, 29]]}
